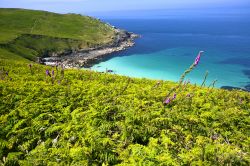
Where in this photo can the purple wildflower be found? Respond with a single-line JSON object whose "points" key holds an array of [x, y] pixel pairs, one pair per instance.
{"points": [[197, 59], [188, 95], [167, 101], [53, 73], [174, 97], [7, 73], [48, 73], [10, 79]]}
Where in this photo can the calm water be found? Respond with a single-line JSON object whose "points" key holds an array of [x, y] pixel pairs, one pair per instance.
{"points": [[168, 46]]}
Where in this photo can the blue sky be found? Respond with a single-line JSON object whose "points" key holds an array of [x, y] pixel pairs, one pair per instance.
{"points": [[90, 6]]}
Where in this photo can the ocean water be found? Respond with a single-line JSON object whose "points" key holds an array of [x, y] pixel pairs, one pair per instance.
{"points": [[169, 46]]}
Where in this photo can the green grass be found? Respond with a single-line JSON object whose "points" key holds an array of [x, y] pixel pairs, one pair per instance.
{"points": [[32, 33], [79, 117], [6, 55], [72, 26]]}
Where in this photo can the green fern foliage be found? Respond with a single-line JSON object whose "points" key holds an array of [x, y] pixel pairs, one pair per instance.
{"points": [[91, 118]]}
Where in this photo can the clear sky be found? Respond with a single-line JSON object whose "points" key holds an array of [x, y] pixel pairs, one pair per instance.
{"points": [[89, 6]]}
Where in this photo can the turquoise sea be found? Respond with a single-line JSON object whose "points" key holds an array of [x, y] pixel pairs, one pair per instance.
{"points": [[169, 46]]}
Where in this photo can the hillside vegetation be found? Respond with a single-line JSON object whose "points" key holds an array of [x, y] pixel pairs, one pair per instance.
{"points": [[32, 33], [53, 116]]}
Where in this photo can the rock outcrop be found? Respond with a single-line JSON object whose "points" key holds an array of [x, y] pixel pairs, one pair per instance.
{"points": [[87, 57]]}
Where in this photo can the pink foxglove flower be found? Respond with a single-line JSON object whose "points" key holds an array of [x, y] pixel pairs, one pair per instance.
{"points": [[197, 59], [167, 101]]}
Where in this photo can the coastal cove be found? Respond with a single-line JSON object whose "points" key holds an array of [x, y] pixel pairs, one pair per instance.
{"points": [[88, 56], [168, 47]]}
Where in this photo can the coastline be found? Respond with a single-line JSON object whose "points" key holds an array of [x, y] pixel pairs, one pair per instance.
{"points": [[87, 57]]}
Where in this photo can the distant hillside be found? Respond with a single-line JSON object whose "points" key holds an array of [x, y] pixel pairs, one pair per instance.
{"points": [[31, 33]]}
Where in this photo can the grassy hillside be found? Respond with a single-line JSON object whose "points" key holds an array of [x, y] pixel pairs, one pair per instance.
{"points": [[87, 118], [53, 116], [34, 33]]}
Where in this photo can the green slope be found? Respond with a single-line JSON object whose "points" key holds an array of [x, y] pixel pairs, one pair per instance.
{"points": [[77, 117], [86, 118], [32, 33]]}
